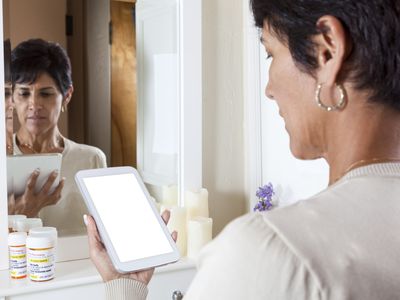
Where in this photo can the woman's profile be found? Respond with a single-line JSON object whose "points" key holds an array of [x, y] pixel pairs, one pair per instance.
{"points": [[334, 74]]}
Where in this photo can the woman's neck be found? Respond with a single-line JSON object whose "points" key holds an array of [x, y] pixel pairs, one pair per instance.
{"points": [[48, 142], [365, 136]]}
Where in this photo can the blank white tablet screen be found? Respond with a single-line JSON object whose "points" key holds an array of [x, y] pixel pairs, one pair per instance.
{"points": [[127, 216]]}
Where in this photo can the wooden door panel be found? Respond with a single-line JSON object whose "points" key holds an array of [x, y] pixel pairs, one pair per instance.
{"points": [[123, 84]]}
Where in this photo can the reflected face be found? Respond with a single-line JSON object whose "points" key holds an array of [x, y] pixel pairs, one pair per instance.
{"points": [[293, 91], [38, 105], [9, 108]]}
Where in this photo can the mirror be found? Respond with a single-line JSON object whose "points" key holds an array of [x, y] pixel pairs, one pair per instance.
{"points": [[123, 108]]}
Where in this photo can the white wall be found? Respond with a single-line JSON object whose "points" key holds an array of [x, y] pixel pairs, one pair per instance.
{"points": [[223, 143], [234, 164], [41, 19]]}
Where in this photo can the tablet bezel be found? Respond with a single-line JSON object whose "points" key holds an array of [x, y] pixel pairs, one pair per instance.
{"points": [[138, 264], [21, 167]]}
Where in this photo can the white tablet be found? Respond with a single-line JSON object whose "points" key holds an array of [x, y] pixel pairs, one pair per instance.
{"points": [[21, 167], [129, 224]]}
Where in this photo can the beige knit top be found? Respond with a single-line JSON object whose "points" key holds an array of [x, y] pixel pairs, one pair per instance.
{"points": [[343, 243]]}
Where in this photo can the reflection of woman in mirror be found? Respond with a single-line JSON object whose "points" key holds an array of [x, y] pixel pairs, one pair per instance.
{"points": [[9, 109], [9, 106], [42, 89]]}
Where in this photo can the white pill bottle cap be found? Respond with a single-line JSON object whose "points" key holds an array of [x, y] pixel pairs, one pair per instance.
{"points": [[17, 238], [39, 242], [44, 231], [26, 224], [12, 219]]}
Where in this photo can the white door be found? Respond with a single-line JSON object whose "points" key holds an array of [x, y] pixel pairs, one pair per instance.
{"points": [[158, 99]]}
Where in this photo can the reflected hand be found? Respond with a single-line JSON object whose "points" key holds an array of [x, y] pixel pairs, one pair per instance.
{"points": [[101, 260], [30, 202], [11, 204]]}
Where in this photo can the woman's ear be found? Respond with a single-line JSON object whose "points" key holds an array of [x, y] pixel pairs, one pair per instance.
{"points": [[68, 96], [333, 47]]}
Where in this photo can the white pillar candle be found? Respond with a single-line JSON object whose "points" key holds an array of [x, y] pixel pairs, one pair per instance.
{"points": [[169, 194], [177, 222], [196, 203], [199, 234]]}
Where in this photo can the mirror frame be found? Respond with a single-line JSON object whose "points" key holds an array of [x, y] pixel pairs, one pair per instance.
{"points": [[190, 125]]}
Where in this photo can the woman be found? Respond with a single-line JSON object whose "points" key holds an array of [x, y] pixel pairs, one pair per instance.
{"points": [[9, 108], [42, 90], [342, 59]]}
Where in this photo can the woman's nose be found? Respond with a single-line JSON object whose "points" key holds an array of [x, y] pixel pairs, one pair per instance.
{"points": [[268, 91], [34, 102]]}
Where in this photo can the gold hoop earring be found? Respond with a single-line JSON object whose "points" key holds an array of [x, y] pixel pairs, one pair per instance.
{"points": [[338, 106], [62, 108]]}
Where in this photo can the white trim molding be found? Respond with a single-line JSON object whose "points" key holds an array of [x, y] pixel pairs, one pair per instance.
{"points": [[186, 170], [252, 106], [190, 105]]}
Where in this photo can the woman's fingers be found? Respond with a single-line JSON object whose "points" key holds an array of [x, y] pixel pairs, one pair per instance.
{"points": [[93, 234], [60, 185], [174, 235], [30, 203], [30, 185], [49, 182], [98, 253], [166, 215], [11, 205], [56, 195]]}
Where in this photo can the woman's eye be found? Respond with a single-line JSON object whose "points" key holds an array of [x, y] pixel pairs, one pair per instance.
{"points": [[44, 95], [23, 94]]}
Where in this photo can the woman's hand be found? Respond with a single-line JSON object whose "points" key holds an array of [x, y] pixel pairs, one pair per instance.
{"points": [[30, 202], [11, 204], [101, 260]]}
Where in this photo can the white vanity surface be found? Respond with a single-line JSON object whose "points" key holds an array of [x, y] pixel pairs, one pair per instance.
{"points": [[79, 280]]}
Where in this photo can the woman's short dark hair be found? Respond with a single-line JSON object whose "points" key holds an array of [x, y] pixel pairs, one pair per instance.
{"points": [[372, 25], [34, 57]]}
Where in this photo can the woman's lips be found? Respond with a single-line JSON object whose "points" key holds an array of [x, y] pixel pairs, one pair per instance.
{"points": [[35, 119]]}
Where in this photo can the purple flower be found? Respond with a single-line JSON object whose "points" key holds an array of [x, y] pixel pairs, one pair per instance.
{"points": [[264, 193]]}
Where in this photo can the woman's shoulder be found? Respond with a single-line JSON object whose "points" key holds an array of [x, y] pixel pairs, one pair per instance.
{"points": [[250, 226], [82, 151], [249, 260], [76, 147], [331, 231]]}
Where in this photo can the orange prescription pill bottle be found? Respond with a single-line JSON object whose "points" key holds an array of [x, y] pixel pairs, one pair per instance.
{"points": [[40, 253], [17, 254]]}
